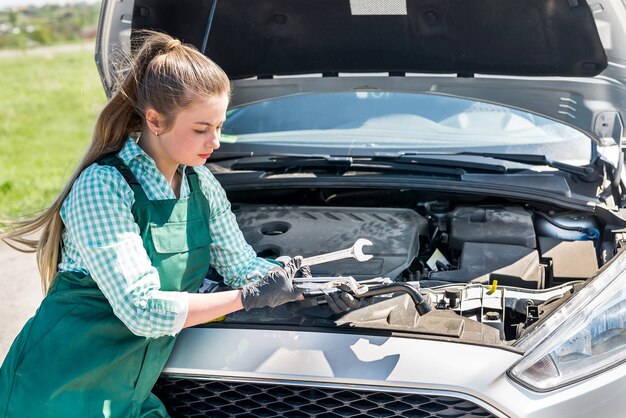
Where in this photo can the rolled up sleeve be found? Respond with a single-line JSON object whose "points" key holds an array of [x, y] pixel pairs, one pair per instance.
{"points": [[97, 215]]}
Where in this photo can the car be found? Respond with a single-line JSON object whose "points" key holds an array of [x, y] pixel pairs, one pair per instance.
{"points": [[477, 146]]}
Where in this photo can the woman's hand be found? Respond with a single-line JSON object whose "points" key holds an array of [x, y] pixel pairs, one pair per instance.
{"points": [[274, 289]]}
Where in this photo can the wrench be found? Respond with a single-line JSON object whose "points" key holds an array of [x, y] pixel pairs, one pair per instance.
{"points": [[356, 252], [325, 284], [321, 285]]}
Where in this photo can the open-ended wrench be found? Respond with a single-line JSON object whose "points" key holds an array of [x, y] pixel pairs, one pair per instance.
{"points": [[356, 252], [322, 285]]}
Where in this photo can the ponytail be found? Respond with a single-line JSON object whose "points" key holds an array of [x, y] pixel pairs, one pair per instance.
{"points": [[165, 75]]}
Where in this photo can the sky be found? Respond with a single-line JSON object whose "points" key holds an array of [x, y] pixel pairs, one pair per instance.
{"points": [[12, 3]]}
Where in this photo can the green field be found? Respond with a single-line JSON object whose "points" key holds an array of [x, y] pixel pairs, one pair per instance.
{"points": [[48, 107]]}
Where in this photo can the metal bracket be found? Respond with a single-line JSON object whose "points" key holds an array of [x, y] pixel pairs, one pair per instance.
{"points": [[610, 125]]}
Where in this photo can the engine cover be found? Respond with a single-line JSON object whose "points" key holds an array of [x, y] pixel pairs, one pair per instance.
{"points": [[308, 231]]}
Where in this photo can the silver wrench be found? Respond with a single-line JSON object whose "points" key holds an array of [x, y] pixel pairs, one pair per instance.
{"points": [[317, 285], [356, 252]]}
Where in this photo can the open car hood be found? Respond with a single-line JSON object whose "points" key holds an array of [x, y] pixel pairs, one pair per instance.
{"points": [[273, 37], [574, 50]]}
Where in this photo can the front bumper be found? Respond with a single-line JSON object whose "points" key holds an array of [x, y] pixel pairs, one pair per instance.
{"points": [[278, 364]]}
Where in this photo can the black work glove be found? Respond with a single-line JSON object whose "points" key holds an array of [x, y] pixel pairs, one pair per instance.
{"points": [[304, 271], [341, 301], [274, 289]]}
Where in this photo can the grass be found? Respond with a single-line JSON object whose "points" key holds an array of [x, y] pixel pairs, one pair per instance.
{"points": [[48, 107]]}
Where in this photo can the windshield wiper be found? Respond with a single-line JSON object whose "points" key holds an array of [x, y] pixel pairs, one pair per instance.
{"points": [[273, 162], [295, 163], [436, 160], [227, 156], [586, 173]]}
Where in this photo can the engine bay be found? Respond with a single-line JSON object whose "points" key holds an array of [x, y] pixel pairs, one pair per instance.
{"points": [[486, 270]]}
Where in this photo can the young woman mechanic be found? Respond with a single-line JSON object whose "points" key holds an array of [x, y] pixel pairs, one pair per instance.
{"points": [[135, 230]]}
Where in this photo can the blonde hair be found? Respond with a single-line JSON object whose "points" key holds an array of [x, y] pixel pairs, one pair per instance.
{"points": [[165, 75]]}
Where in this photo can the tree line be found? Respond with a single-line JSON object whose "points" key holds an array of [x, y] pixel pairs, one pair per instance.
{"points": [[30, 26]]}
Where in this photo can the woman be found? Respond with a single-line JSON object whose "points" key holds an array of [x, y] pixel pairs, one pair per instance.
{"points": [[135, 230]]}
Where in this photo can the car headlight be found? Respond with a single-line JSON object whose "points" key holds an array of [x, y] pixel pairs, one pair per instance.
{"points": [[585, 336]]}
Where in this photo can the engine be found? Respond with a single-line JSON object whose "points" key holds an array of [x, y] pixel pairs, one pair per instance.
{"points": [[486, 271], [308, 231], [467, 244]]}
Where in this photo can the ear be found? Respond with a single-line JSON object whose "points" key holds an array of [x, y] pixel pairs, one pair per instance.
{"points": [[154, 121]]}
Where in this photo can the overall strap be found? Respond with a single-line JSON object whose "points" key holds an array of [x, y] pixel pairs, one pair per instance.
{"points": [[195, 191], [192, 179], [115, 161]]}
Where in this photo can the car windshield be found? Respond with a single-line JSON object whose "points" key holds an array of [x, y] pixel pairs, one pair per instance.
{"points": [[385, 121]]}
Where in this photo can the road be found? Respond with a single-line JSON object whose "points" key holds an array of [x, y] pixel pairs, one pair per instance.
{"points": [[20, 295]]}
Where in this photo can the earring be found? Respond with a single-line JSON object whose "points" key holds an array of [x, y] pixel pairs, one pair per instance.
{"points": [[156, 133]]}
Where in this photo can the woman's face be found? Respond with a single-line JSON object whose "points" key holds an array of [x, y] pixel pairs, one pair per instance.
{"points": [[195, 132]]}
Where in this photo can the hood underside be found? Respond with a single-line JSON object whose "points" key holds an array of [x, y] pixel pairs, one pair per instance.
{"points": [[280, 37]]}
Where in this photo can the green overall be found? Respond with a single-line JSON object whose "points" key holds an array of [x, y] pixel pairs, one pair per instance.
{"points": [[75, 358]]}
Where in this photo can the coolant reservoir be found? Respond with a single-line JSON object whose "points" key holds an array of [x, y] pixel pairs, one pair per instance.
{"points": [[588, 225]]}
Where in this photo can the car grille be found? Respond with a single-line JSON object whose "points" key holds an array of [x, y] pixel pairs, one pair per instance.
{"points": [[199, 398]]}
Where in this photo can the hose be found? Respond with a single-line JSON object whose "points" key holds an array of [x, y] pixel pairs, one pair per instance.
{"points": [[420, 304]]}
